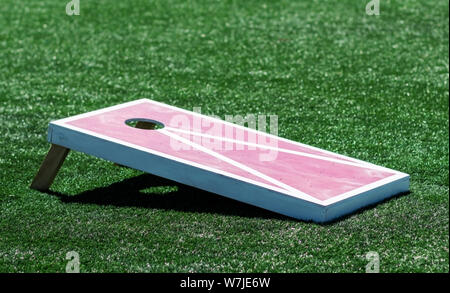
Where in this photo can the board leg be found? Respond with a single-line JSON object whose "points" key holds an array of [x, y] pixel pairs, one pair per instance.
{"points": [[50, 167]]}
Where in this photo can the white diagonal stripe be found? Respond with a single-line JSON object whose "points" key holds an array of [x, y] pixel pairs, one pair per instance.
{"points": [[360, 165], [274, 136], [237, 164]]}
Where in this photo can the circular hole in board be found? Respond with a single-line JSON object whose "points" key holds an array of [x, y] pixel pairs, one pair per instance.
{"points": [[142, 123]]}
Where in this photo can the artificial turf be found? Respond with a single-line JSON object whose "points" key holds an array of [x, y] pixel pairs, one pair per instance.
{"points": [[371, 87]]}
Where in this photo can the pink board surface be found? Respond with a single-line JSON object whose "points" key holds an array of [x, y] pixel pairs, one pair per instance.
{"points": [[225, 149]]}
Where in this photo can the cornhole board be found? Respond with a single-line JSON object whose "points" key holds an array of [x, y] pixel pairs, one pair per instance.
{"points": [[234, 161]]}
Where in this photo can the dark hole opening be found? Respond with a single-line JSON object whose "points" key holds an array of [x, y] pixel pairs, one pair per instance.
{"points": [[142, 123]]}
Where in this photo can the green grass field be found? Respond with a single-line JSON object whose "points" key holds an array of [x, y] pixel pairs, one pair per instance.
{"points": [[371, 87]]}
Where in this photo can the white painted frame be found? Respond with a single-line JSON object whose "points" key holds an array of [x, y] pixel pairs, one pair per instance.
{"points": [[290, 203]]}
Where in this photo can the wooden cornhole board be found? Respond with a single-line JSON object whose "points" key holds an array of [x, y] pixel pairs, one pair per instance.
{"points": [[254, 167]]}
